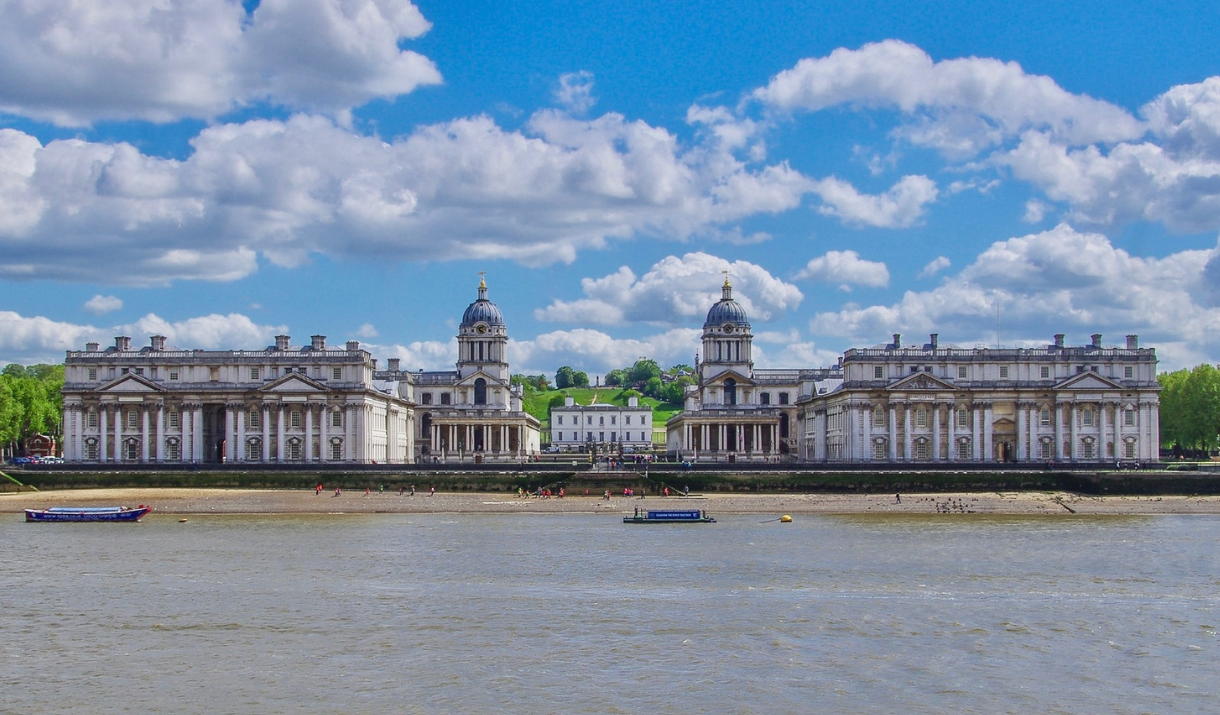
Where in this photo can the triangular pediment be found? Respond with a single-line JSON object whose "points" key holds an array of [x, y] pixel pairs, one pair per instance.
{"points": [[921, 381], [294, 383], [470, 379], [1088, 381], [742, 380], [130, 383]]}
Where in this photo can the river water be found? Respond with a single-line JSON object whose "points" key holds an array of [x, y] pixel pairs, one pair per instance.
{"points": [[583, 614]]}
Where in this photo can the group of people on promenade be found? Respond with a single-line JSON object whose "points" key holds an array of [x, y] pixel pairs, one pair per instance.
{"points": [[380, 489]]}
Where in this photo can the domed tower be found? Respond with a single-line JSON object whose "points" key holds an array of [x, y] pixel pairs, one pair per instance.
{"points": [[727, 339], [483, 339]]}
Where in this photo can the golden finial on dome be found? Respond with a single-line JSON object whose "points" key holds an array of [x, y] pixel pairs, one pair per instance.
{"points": [[482, 282], [726, 278]]}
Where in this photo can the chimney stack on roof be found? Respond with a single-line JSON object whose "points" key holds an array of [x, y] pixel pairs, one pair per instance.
{"points": [[281, 342], [393, 364], [318, 342], [1096, 340], [934, 337], [92, 347], [1058, 341], [353, 345], [122, 343], [158, 342], [1133, 342], [897, 341]]}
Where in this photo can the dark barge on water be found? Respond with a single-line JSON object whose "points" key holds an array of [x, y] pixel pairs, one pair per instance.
{"points": [[87, 513], [669, 516]]}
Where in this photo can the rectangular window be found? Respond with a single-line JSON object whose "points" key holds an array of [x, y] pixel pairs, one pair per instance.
{"points": [[963, 418], [254, 373], [1129, 450], [1003, 372], [1044, 372], [878, 372], [91, 420], [93, 373], [133, 419], [588, 420], [878, 417], [427, 398], [173, 374], [1044, 449], [962, 372], [124, 371], [336, 419], [152, 371], [175, 421], [336, 373], [627, 420], [336, 451], [963, 451], [613, 419], [1086, 417], [559, 436], [879, 450], [921, 450], [1128, 372], [783, 398], [1129, 418], [766, 398], [214, 374], [173, 451], [254, 419], [294, 450], [1044, 417], [294, 418], [921, 417], [253, 452], [559, 419], [139, 371], [601, 420], [914, 369], [1086, 450]]}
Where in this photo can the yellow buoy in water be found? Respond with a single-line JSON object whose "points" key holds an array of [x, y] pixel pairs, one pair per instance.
{"points": [[785, 519]]}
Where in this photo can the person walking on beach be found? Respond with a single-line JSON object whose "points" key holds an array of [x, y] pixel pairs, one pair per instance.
{"points": [[337, 492], [897, 498], [412, 490], [432, 491]]}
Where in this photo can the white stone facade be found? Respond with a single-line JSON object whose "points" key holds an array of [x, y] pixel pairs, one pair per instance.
{"points": [[284, 404], [574, 427], [929, 404]]}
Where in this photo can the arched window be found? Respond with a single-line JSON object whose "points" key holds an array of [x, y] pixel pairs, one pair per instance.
{"points": [[783, 426], [730, 391], [480, 391], [425, 425]]}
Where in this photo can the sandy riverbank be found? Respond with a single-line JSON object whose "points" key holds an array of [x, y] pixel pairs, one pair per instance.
{"points": [[262, 501]]}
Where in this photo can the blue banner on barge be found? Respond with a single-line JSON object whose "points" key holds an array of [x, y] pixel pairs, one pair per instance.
{"points": [[669, 516]]}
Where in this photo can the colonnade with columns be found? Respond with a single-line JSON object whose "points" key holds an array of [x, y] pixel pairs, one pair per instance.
{"points": [[949, 429], [715, 439], [363, 431], [493, 439]]}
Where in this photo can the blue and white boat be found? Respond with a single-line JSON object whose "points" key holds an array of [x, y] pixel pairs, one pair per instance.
{"points": [[669, 516], [88, 513]]}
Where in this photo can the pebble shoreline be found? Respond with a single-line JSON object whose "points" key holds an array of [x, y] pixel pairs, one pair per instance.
{"points": [[267, 501]]}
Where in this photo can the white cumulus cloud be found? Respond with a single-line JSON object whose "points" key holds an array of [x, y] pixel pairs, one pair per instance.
{"points": [[102, 304], [75, 63], [847, 269], [675, 291]]}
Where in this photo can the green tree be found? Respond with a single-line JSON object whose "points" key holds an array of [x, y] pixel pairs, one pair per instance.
{"points": [[580, 378], [644, 370], [1190, 408], [565, 377], [616, 378]]}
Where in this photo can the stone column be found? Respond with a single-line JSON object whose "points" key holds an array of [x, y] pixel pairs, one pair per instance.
{"points": [[279, 432], [160, 451], [1058, 413], [936, 455], [1119, 413], [184, 429], [868, 432], [907, 442], [197, 422], [309, 408], [951, 447], [1072, 429], [893, 433], [1022, 422], [239, 449], [144, 433], [324, 433], [976, 441], [1102, 455], [265, 410], [988, 446]]}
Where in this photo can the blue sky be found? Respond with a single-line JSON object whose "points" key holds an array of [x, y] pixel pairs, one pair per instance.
{"points": [[992, 172]]}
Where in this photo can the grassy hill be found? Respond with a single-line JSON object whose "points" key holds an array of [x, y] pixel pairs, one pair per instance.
{"points": [[538, 404]]}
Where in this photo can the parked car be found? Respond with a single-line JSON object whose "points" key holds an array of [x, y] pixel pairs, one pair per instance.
{"points": [[19, 461]]}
